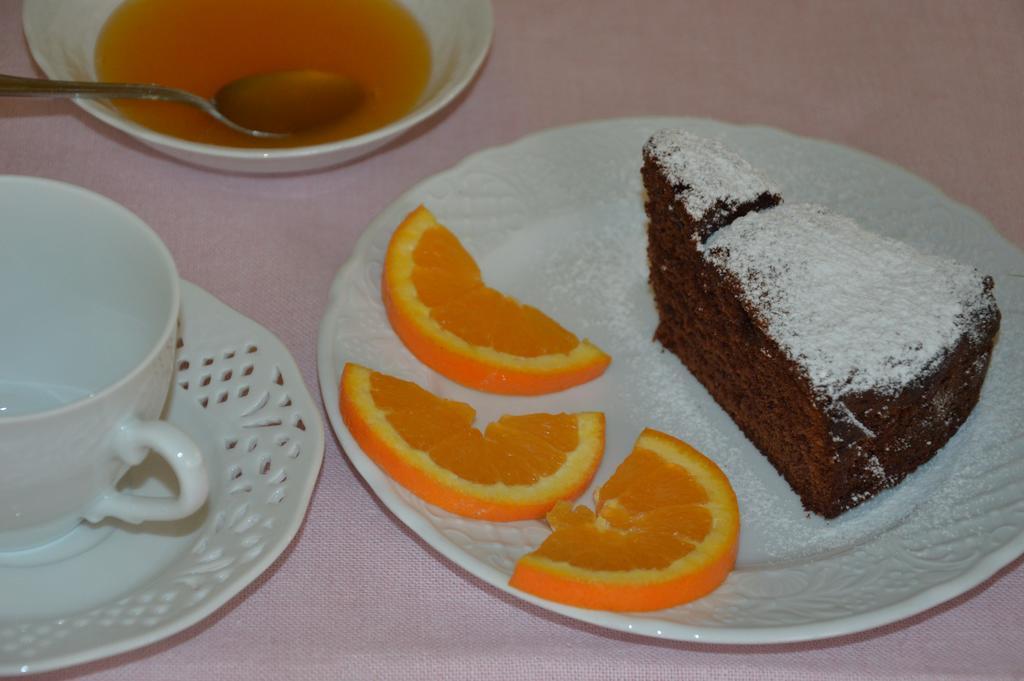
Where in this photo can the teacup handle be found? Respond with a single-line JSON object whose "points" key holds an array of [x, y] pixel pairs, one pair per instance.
{"points": [[134, 440]]}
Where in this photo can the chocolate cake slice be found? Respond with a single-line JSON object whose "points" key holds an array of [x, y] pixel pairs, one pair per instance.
{"points": [[847, 358]]}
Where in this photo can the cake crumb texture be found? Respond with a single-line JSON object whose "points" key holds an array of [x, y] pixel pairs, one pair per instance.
{"points": [[848, 359]]}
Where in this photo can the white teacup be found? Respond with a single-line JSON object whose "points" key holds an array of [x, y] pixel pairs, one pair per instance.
{"points": [[89, 300]]}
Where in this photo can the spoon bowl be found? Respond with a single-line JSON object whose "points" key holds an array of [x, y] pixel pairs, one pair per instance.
{"points": [[287, 102], [265, 105]]}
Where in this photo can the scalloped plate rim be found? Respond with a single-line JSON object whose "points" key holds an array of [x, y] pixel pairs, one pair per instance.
{"points": [[641, 623]]}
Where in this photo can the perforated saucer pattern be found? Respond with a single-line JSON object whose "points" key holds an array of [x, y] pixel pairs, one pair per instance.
{"points": [[111, 587]]}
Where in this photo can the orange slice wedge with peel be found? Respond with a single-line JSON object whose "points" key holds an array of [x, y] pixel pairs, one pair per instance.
{"points": [[666, 532], [516, 469], [439, 306]]}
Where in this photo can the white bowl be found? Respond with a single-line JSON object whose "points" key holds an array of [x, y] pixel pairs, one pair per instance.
{"points": [[62, 38]]}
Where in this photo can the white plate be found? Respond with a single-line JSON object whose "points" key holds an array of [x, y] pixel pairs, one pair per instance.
{"points": [[108, 588], [557, 219]]}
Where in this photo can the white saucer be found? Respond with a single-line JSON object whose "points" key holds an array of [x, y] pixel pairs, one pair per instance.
{"points": [[109, 588]]}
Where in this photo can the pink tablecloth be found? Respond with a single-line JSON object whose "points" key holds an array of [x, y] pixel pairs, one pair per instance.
{"points": [[937, 87]]}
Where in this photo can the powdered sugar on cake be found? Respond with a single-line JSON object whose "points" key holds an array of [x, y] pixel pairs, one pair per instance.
{"points": [[857, 311], [705, 172]]}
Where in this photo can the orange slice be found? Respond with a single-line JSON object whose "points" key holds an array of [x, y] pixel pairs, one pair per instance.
{"points": [[439, 306], [666, 532], [518, 468]]}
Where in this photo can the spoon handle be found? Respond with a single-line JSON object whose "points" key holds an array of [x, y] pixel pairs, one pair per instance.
{"points": [[15, 86]]}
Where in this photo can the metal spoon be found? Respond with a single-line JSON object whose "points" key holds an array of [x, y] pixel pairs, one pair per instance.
{"points": [[268, 105]]}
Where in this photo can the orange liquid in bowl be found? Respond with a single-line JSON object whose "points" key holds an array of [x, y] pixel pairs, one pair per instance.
{"points": [[201, 45]]}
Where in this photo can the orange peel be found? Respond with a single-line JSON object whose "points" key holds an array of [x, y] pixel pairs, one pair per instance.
{"points": [[666, 532], [516, 469], [451, 321]]}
